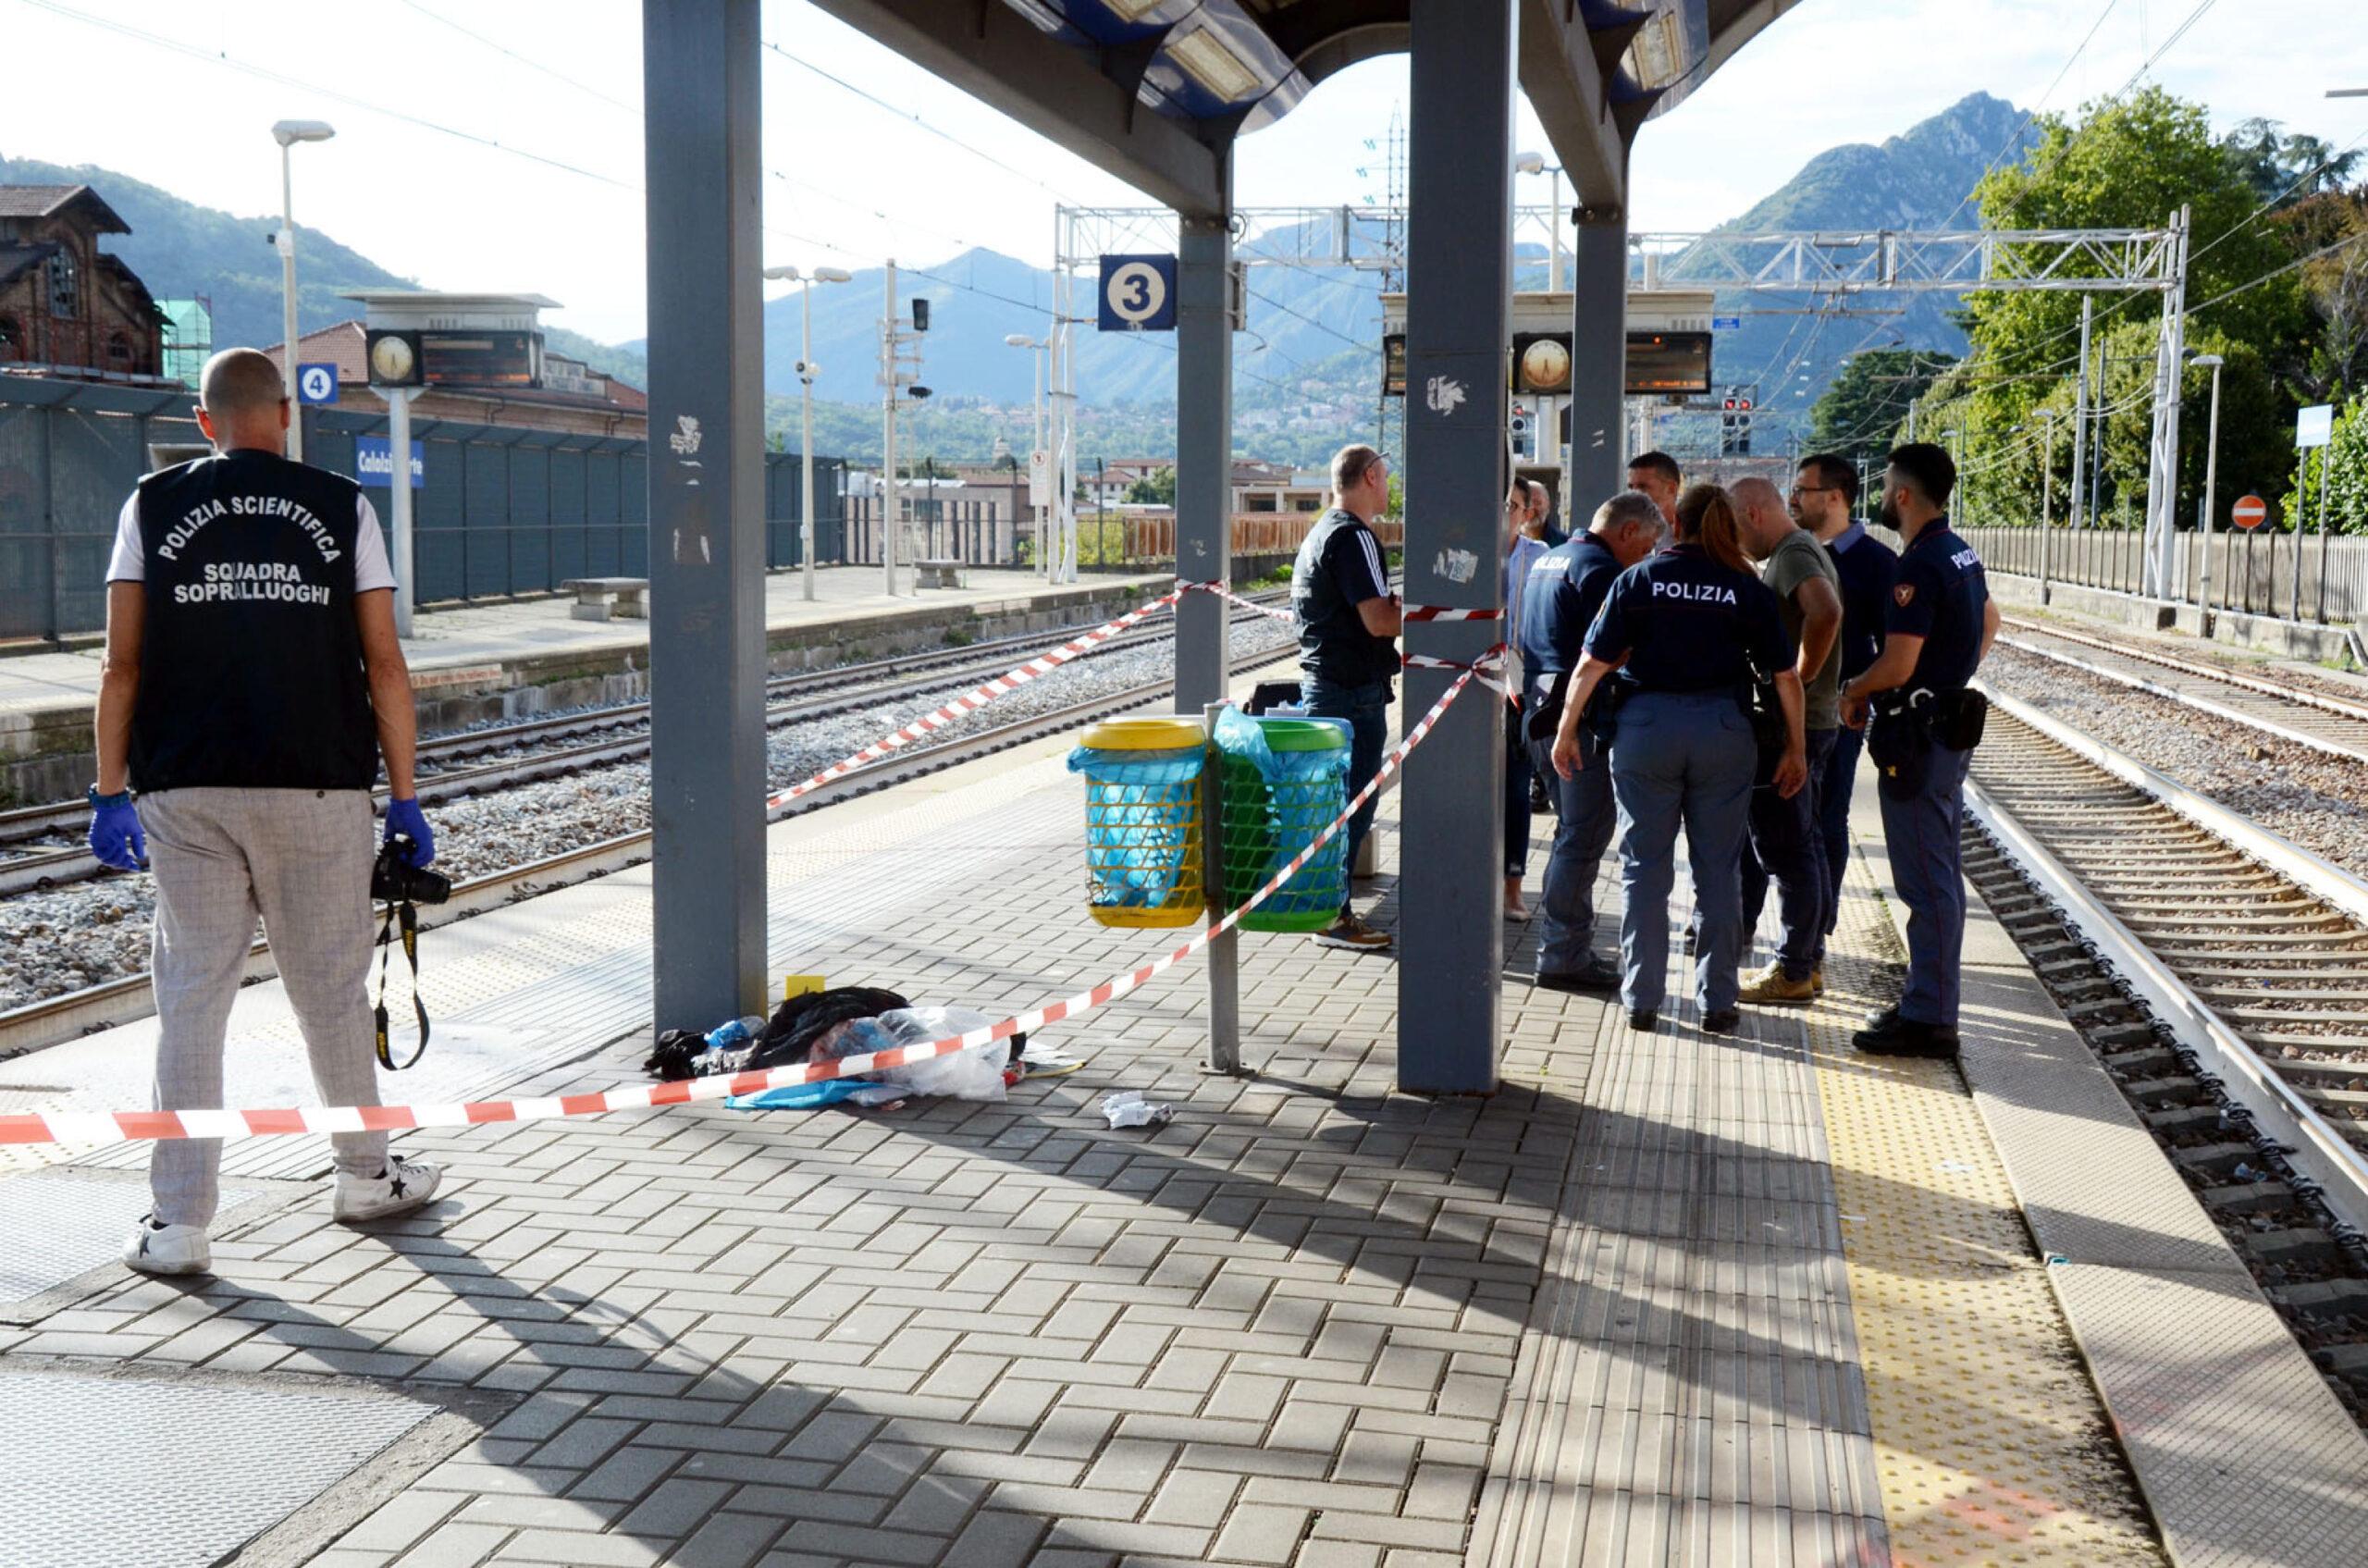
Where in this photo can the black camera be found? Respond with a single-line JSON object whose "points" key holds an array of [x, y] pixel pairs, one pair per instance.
{"points": [[394, 880]]}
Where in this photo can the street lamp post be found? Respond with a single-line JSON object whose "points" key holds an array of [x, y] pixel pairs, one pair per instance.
{"points": [[1038, 349], [807, 371], [288, 133], [2211, 493]]}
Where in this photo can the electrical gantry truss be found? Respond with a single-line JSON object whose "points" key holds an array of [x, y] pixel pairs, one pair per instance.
{"points": [[1837, 264]]}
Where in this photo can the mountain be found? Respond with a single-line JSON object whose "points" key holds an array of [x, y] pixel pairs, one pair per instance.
{"points": [[1919, 179], [1306, 371], [181, 249]]}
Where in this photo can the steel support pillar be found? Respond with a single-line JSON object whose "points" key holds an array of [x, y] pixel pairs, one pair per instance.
{"points": [[1457, 333], [1203, 536], [1598, 365], [707, 515]]}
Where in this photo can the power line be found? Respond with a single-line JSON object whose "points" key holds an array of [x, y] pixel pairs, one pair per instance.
{"points": [[527, 60], [2012, 142], [263, 73]]}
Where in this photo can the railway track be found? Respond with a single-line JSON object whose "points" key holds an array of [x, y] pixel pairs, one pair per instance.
{"points": [[120, 1001], [2306, 717], [40, 845], [2252, 950]]}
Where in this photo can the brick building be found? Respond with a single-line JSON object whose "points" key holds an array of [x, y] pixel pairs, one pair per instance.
{"points": [[66, 307]]}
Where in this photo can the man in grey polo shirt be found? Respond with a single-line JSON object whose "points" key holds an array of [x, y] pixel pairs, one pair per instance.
{"points": [[1788, 843]]}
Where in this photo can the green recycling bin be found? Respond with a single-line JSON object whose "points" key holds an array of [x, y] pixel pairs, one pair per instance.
{"points": [[1285, 781]]}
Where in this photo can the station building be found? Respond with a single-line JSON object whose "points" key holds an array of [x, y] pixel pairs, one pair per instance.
{"points": [[67, 308]]}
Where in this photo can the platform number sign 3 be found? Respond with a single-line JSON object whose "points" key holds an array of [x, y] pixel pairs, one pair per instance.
{"points": [[1138, 294]]}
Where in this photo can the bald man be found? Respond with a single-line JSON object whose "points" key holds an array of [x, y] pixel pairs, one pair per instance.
{"points": [[250, 683], [1787, 841]]}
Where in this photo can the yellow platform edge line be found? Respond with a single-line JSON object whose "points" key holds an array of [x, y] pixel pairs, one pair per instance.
{"points": [[1990, 1443]]}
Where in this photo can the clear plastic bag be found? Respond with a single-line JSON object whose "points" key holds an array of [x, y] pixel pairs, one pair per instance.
{"points": [[974, 1073]]}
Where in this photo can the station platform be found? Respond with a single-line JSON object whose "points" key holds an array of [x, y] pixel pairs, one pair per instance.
{"points": [[1662, 1298], [513, 659]]}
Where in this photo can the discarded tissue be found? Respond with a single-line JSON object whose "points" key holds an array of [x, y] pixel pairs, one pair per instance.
{"points": [[1127, 1109]]}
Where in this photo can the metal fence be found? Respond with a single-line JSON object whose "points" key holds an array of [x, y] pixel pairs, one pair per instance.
{"points": [[2266, 572], [500, 512], [976, 533]]}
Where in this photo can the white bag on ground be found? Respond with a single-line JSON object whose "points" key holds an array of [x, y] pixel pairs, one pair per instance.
{"points": [[974, 1074]]}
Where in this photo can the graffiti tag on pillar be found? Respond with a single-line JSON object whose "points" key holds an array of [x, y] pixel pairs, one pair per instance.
{"points": [[1444, 394], [1456, 565]]}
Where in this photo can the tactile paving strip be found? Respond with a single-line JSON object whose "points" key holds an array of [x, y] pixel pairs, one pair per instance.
{"points": [[61, 1223], [1992, 1444], [103, 1470]]}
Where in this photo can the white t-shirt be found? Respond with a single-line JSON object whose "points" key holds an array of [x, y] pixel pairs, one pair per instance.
{"points": [[371, 570]]}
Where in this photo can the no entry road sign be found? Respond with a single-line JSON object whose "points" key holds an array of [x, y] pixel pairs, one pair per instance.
{"points": [[2249, 512]]}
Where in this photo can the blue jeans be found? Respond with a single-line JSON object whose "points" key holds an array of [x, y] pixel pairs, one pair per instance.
{"points": [[1367, 709], [1920, 833], [1583, 818], [1788, 844], [1680, 757], [1834, 814]]}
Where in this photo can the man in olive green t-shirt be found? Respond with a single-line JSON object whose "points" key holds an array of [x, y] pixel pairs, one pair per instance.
{"points": [[1786, 843]]}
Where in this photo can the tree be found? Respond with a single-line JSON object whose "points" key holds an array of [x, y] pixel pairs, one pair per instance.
{"points": [[2128, 165], [2282, 170], [1864, 407], [2330, 359], [1156, 487]]}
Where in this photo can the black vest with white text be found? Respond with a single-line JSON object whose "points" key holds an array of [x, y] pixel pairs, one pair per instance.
{"points": [[249, 662]]}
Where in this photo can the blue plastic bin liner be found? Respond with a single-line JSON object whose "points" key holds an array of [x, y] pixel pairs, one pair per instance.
{"points": [[1139, 824]]}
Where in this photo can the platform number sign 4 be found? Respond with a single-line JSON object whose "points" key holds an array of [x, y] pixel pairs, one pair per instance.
{"points": [[1138, 294], [317, 383]]}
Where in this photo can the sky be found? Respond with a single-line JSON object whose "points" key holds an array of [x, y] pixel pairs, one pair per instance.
{"points": [[497, 147]]}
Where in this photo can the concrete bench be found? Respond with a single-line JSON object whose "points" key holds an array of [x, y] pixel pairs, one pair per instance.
{"points": [[596, 599], [937, 573]]}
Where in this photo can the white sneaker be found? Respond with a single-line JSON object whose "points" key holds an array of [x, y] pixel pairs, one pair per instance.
{"points": [[158, 1248], [403, 1186]]}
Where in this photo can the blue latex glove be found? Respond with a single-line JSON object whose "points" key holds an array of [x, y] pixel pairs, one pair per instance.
{"points": [[116, 837], [405, 818]]}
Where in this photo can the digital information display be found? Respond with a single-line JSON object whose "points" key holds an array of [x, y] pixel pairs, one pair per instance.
{"points": [[1540, 362], [1667, 361], [477, 359]]}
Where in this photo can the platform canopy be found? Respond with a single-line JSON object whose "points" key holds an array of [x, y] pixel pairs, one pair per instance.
{"points": [[1156, 90]]}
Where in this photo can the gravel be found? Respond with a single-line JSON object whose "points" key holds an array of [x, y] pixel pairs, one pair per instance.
{"points": [[2315, 799], [89, 932]]}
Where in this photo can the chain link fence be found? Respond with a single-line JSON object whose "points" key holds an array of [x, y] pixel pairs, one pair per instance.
{"points": [[501, 512]]}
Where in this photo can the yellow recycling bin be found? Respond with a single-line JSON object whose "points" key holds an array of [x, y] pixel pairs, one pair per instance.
{"points": [[1143, 821]]}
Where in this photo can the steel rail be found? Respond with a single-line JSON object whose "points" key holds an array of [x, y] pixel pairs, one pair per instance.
{"points": [[2356, 713], [879, 680], [124, 1000], [2109, 862]]}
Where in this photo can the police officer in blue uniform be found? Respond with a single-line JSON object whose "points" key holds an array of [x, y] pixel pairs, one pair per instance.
{"points": [[1566, 590], [1923, 726], [1685, 631]]}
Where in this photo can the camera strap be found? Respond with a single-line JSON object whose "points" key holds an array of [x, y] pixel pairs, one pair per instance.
{"points": [[404, 914]]}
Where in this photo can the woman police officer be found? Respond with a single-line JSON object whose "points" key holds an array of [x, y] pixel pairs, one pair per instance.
{"points": [[1685, 631]]}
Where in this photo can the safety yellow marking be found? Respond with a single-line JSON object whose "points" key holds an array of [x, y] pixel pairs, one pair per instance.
{"points": [[1988, 1437]]}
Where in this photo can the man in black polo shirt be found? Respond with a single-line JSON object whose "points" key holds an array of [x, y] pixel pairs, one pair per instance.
{"points": [[251, 681], [1348, 650]]}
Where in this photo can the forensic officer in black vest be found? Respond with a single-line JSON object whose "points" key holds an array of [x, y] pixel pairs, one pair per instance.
{"points": [[1684, 629], [1559, 604], [1920, 735], [250, 683]]}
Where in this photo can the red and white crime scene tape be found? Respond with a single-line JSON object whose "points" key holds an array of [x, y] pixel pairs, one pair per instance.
{"points": [[977, 698], [51, 1127], [1441, 612], [1221, 591]]}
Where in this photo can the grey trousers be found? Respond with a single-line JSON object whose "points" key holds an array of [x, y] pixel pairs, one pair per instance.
{"points": [[300, 859]]}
